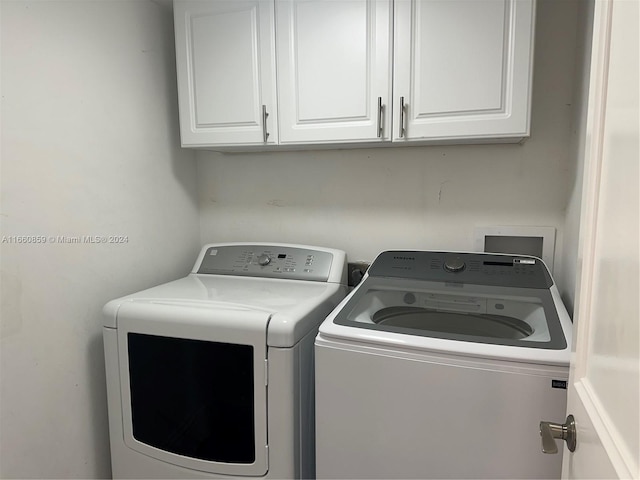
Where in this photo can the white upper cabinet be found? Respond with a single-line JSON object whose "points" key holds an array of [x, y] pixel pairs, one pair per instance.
{"points": [[353, 71], [226, 72], [462, 69], [334, 70]]}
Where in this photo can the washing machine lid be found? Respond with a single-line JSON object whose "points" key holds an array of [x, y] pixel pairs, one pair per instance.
{"points": [[518, 317], [488, 299]]}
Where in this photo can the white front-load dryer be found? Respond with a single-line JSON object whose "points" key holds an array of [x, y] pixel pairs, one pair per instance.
{"points": [[211, 375], [442, 365]]}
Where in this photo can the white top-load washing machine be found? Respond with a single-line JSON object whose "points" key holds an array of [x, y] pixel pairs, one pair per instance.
{"points": [[212, 375], [442, 365]]}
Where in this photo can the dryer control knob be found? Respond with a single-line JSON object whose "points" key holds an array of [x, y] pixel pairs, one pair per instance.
{"points": [[264, 259], [455, 264]]}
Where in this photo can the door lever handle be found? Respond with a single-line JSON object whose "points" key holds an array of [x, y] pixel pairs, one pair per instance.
{"points": [[550, 431]]}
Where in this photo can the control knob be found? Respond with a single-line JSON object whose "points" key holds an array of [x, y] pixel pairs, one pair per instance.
{"points": [[264, 259], [455, 264]]}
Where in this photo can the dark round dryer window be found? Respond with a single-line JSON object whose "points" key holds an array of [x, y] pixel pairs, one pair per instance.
{"points": [[478, 325]]}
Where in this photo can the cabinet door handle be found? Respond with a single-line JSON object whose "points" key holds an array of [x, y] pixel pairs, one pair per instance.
{"points": [[265, 134], [402, 107], [380, 110]]}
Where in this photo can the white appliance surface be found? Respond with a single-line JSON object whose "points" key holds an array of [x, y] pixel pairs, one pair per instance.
{"points": [[288, 303], [421, 373], [230, 349]]}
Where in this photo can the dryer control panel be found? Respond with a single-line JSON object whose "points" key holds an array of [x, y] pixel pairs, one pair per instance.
{"points": [[473, 268], [267, 262]]}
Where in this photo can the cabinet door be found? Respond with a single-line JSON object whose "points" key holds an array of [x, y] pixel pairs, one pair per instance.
{"points": [[334, 69], [462, 69], [225, 58]]}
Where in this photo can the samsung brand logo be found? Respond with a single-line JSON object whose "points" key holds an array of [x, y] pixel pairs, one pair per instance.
{"points": [[404, 258], [559, 384]]}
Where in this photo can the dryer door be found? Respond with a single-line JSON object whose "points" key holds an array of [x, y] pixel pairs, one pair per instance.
{"points": [[193, 382]]}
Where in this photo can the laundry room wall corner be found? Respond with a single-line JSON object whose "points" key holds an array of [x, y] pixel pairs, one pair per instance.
{"points": [[568, 273], [98, 199]]}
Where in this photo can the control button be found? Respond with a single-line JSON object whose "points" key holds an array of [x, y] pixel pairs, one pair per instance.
{"points": [[264, 259], [455, 264]]}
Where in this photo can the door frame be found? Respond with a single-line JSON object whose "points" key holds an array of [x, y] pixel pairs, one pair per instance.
{"points": [[601, 451]]}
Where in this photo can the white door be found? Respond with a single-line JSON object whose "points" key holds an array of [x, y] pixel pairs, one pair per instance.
{"points": [[225, 57], [334, 64], [603, 392], [462, 69]]}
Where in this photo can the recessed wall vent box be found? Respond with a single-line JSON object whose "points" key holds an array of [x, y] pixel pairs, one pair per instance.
{"points": [[536, 241]]}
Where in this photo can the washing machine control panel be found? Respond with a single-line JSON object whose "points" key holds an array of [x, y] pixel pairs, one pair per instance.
{"points": [[267, 262], [472, 268]]}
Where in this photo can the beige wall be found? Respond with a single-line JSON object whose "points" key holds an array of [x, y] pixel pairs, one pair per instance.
{"points": [[89, 147], [365, 201], [568, 274]]}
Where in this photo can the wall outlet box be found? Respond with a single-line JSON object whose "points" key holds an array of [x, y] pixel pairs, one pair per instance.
{"points": [[521, 240], [356, 271]]}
